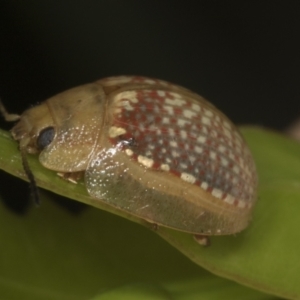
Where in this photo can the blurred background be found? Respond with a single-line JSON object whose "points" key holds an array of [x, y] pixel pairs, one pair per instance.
{"points": [[241, 55]]}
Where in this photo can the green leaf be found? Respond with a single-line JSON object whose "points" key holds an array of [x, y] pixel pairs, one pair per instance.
{"points": [[50, 253], [92, 252]]}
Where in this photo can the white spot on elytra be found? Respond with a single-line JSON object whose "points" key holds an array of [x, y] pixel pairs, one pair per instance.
{"points": [[242, 163], [169, 109], [188, 177], [204, 185], [198, 149], [129, 152], [226, 124], [116, 131], [147, 162], [133, 100], [231, 156], [183, 134], [125, 95], [176, 101], [165, 167], [183, 166], [127, 105], [229, 199], [161, 93], [236, 169], [192, 159], [175, 153], [204, 130], [171, 132], [196, 107], [206, 121], [213, 134], [227, 133], [230, 144], [182, 122], [235, 180], [149, 81], [189, 113], [217, 193], [148, 153], [201, 139], [213, 155], [208, 113], [224, 162], [166, 120], [173, 144], [241, 204], [221, 148]]}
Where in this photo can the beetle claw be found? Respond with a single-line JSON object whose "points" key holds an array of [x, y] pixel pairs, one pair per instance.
{"points": [[151, 226], [202, 240], [71, 177]]}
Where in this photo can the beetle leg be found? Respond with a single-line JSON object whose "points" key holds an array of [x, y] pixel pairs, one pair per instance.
{"points": [[72, 177], [150, 225], [202, 240]]}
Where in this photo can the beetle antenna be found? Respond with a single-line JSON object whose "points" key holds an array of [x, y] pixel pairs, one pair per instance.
{"points": [[6, 115], [32, 182], [34, 190]]}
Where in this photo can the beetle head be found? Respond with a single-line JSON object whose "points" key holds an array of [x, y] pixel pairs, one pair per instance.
{"points": [[26, 132], [31, 123]]}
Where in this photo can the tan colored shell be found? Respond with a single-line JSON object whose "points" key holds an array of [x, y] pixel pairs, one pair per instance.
{"points": [[151, 148]]}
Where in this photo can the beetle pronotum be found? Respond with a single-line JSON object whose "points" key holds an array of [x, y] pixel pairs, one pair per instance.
{"points": [[148, 147]]}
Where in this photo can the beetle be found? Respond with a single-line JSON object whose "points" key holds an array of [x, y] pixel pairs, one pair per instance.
{"points": [[148, 147]]}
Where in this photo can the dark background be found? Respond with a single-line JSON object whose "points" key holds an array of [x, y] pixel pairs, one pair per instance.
{"points": [[241, 55]]}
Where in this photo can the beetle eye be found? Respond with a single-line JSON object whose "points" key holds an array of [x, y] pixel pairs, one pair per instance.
{"points": [[45, 137]]}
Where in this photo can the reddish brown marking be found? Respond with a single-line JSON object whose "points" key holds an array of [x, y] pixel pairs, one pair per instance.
{"points": [[144, 125]]}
